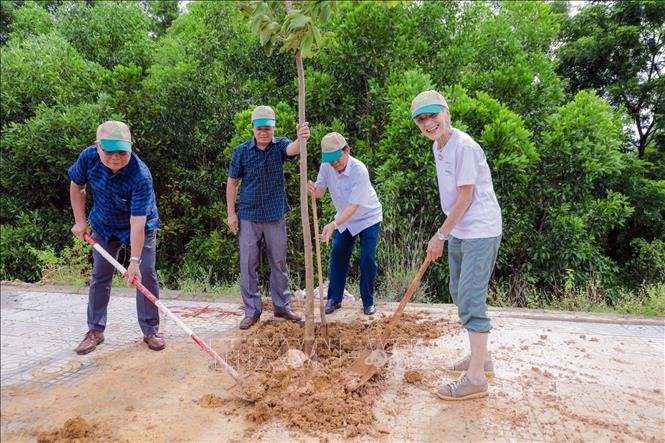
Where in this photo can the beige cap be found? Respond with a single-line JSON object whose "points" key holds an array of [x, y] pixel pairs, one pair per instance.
{"points": [[114, 136], [263, 116], [427, 102], [331, 147]]}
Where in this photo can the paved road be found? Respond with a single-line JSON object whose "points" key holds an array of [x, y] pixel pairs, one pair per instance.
{"points": [[560, 376], [39, 331]]}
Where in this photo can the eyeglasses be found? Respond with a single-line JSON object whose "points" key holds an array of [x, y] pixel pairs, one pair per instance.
{"points": [[264, 128], [422, 118], [118, 153]]}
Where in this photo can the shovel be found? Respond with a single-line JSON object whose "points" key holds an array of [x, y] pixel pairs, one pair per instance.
{"points": [[324, 325], [372, 360], [240, 389]]}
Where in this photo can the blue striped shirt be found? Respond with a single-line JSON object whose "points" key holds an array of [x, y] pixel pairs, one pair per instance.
{"points": [[263, 188], [116, 197]]}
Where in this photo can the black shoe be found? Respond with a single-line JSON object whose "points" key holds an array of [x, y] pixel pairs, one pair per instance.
{"points": [[289, 315], [331, 306], [247, 322], [369, 310]]}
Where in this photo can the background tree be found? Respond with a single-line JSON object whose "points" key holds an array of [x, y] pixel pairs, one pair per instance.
{"points": [[617, 48], [162, 13], [299, 33], [584, 215]]}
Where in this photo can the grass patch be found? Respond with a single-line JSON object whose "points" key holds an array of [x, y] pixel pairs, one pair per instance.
{"points": [[647, 301], [400, 257]]}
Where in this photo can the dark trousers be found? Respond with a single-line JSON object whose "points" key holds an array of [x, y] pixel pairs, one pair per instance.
{"points": [[340, 255], [102, 277]]}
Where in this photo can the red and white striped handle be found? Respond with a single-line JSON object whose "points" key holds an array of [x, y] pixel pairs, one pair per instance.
{"points": [[149, 295]]}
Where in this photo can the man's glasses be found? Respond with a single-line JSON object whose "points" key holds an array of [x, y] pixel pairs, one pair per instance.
{"points": [[264, 128], [118, 153]]}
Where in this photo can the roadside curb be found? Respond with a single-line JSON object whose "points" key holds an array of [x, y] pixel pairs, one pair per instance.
{"points": [[523, 313]]}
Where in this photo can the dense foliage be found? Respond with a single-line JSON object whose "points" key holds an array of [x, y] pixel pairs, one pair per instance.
{"points": [[568, 107]]}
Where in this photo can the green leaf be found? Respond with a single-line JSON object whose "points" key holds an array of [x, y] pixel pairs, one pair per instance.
{"points": [[299, 21], [317, 36], [306, 44]]}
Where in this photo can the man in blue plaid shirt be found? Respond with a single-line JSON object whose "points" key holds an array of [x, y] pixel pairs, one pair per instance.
{"points": [[124, 211], [258, 165]]}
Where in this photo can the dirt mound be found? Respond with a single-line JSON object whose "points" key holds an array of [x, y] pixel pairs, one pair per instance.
{"points": [[76, 429], [413, 376], [211, 401], [314, 396]]}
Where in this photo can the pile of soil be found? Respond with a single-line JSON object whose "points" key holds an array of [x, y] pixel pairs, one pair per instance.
{"points": [[313, 396], [413, 376], [76, 429], [211, 401]]}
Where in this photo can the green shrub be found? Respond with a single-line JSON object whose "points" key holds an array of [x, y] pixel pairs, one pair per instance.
{"points": [[211, 258], [108, 33], [44, 70], [72, 267], [648, 265], [19, 244]]}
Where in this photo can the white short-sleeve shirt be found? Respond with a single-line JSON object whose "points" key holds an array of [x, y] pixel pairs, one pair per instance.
{"points": [[462, 162], [351, 186]]}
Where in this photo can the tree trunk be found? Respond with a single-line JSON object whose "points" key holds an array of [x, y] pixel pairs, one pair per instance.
{"points": [[308, 347]]}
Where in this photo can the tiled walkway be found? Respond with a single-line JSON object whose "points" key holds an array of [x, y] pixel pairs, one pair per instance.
{"points": [[39, 331]]}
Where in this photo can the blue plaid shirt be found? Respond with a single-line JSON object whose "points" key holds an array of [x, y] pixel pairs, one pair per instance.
{"points": [[263, 188], [118, 196]]}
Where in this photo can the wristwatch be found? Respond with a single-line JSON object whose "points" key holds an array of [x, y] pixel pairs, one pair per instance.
{"points": [[136, 259], [440, 235]]}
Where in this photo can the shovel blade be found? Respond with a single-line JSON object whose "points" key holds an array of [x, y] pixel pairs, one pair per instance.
{"points": [[369, 363]]}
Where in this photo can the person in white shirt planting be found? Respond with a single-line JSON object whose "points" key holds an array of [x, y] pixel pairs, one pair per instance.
{"points": [[359, 216], [472, 229]]}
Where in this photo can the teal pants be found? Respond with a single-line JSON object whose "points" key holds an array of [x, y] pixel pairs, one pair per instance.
{"points": [[471, 262]]}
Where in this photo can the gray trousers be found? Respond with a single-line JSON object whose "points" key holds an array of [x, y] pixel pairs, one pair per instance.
{"points": [[471, 262], [249, 237], [102, 276]]}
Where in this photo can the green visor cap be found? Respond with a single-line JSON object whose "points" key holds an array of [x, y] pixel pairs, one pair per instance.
{"points": [[263, 116], [116, 145], [331, 147], [427, 102], [263, 122], [327, 157], [429, 109]]}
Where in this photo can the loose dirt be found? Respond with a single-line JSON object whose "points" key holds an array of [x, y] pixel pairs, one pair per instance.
{"points": [[211, 401], [75, 429], [541, 391], [314, 395], [413, 376], [301, 395]]}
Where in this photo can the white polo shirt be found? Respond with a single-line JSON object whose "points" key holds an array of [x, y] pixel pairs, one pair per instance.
{"points": [[462, 162], [351, 186]]}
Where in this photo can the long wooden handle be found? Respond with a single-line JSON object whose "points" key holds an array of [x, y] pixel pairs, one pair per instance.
{"points": [[150, 296], [405, 299], [318, 260]]}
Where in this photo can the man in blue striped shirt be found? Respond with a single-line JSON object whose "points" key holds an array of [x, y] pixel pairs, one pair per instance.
{"points": [[258, 165], [124, 211]]}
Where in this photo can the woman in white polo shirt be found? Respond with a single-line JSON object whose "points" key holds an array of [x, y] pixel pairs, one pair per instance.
{"points": [[473, 230]]}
